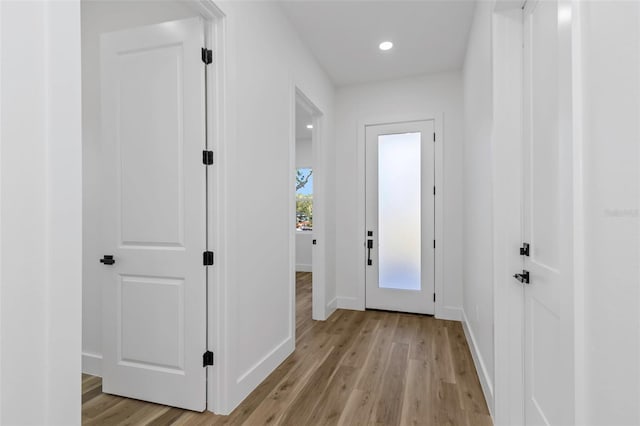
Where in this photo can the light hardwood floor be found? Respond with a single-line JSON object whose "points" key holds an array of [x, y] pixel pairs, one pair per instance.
{"points": [[356, 368]]}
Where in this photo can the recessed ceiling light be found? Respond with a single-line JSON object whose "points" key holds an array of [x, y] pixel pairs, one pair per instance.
{"points": [[309, 126], [385, 45]]}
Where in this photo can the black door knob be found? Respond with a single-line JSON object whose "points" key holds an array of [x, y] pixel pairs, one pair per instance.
{"points": [[108, 259]]}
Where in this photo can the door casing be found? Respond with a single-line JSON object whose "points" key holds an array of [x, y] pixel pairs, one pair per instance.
{"points": [[215, 39], [442, 310], [402, 300]]}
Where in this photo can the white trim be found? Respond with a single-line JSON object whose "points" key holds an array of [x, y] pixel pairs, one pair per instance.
{"points": [[440, 310], [481, 369], [358, 303], [580, 398], [252, 377], [304, 267], [508, 306], [353, 303], [332, 306], [92, 364], [450, 313], [215, 39], [318, 266], [255, 374], [291, 219]]}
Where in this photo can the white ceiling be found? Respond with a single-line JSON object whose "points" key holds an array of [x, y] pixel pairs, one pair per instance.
{"points": [[428, 36]]}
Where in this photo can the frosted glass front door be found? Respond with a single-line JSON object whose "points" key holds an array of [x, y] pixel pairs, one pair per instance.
{"points": [[399, 211], [400, 217]]}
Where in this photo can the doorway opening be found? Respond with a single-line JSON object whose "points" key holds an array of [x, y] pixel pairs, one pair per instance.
{"points": [[306, 127], [400, 217], [151, 133]]}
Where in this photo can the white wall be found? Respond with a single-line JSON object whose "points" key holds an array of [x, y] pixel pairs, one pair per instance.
{"points": [[265, 59], [478, 195], [411, 97], [304, 239], [40, 213], [304, 246], [304, 153], [611, 73], [99, 17]]}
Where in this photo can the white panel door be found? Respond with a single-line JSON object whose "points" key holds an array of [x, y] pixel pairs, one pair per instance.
{"points": [[154, 296], [399, 233], [547, 207]]}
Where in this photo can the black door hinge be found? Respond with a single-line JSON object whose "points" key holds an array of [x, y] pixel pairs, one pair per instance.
{"points": [[207, 358], [207, 56], [434, 137], [434, 297], [434, 243], [434, 190], [524, 250], [207, 157], [523, 277], [207, 258]]}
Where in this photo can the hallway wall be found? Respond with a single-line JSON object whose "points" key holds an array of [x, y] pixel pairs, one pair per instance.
{"points": [[416, 96], [478, 194], [265, 59], [40, 213], [609, 380]]}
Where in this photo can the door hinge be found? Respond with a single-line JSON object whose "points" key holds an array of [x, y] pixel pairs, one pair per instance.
{"points": [[524, 250], [434, 297], [207, 56], [434, 137], [207, 258], [207, 358], [523, 277], [434, 243], [434, 190], [207, 158]]}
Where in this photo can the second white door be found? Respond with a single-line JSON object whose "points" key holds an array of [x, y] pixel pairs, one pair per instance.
{"points": [[399, 236]]}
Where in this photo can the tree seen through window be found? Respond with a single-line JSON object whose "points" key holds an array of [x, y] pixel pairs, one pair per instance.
{"points": [[304, 199]]}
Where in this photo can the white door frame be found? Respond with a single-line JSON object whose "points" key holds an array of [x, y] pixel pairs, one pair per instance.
{"points": [[505, 397], [320, 310], [441, 310], [215, 39]]}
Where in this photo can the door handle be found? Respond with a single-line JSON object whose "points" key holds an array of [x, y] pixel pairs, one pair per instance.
{"points": [[523, 277], [108, 259], [369, 247]]}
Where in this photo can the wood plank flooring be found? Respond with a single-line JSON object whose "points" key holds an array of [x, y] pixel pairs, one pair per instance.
{"points": [[356, 368]]}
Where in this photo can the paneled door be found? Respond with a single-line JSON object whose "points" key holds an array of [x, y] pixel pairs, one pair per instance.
{"points": [[547, 214], [154, 294], [399, 239]]}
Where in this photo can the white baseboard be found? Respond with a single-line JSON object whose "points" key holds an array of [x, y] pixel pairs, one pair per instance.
{"points": [[450, 313], [92, 364], [352, 303], [253, 376], [304, 268], [485, 380], [332, 306]]}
